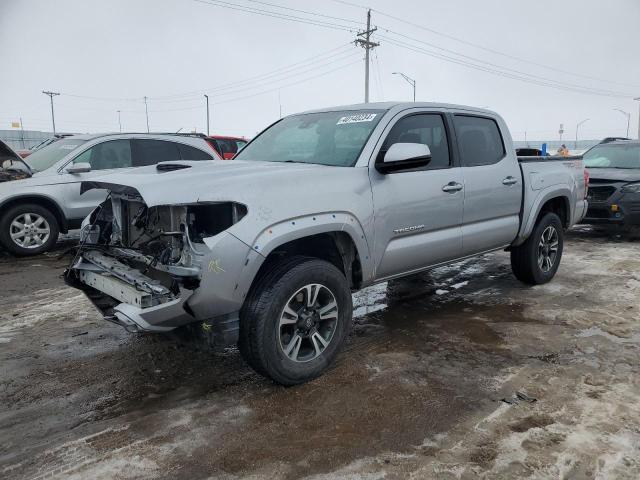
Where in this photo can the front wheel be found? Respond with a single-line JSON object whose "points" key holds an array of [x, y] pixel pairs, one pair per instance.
{"points": [[536, 261], [295, 320], [28, 229]]}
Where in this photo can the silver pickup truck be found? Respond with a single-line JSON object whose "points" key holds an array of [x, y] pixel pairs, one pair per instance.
{"points": [[266, 250]]}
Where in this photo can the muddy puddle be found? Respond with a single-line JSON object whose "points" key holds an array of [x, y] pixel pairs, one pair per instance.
{"points": [[418, 389]]}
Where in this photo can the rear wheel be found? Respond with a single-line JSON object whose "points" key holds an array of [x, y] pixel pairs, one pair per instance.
{"points": [[537, 260], [296, 320], [28, 229]]}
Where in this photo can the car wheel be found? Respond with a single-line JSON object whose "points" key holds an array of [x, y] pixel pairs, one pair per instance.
{"points": [[28, 229], [537, 260], [296, 320]]}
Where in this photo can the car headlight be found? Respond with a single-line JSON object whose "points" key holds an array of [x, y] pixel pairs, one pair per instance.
{"points": [[631, 188]]}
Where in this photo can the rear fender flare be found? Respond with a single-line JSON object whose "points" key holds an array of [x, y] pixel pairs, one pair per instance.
{"points": [[549, 193]]}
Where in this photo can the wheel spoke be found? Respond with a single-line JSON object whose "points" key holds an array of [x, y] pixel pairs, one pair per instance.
{"points": [[27, 219], [319, 343], [17, 235], [293, 347], [17, 224], [540, 261], [37, 240], [329, 311], [312, 294], [38, 222], [41, 231], [293, 316]]}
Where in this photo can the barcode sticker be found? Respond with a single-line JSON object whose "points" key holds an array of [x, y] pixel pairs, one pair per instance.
{"points": [[361, 117]]}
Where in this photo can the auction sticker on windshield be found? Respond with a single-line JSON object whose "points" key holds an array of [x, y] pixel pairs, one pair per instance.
{"points": [[361, 117]]}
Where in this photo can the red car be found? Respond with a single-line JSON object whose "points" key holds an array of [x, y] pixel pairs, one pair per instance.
{"points": [[227, 147]]}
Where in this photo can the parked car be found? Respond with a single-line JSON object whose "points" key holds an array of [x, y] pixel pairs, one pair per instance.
{"points": [[267, 250], [34, 210], [12, 166], [530, 152], [227, 147], [44, 143], [613, 139], [614, 184]]}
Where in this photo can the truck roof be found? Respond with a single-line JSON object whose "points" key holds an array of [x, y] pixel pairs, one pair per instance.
{"points": [[400, 106]]}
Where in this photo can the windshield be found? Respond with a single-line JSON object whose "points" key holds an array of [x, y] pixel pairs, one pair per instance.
{"points": [[613, 156], [328, 138], [46, 157]]}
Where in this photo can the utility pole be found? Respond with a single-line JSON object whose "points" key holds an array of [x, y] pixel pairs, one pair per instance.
{"points": [[53, 118], [207, 97], [637, 99], [410, 81], [577, 127], [119, 121], [22, 132], [365, 42], [146, 111], [626, 114]]}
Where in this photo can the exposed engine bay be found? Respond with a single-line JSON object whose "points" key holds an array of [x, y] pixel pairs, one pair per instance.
{"points": [[145, 256]]}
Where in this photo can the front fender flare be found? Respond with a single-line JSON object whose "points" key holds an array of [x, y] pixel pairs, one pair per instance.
{"points": [[296, 228]]}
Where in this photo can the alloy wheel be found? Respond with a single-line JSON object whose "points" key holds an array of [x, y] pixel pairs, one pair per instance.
{"points": [[548, 249], [308, 322], [29, 230]]}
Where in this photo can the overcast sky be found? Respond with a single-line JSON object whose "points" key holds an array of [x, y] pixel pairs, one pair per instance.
{"points": [[104, 56]]}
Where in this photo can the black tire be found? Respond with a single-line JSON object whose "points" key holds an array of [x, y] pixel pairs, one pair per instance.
{"points": [[33, 209], [261, 341], [525, 259]]}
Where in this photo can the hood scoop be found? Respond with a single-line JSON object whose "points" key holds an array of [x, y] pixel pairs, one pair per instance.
{"points": [[170, 167]]}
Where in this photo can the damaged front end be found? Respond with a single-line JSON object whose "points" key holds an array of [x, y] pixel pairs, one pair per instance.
{"points": [[141, 265]]}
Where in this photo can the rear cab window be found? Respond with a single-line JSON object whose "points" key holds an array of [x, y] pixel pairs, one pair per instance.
{"points": [[479, 140]]}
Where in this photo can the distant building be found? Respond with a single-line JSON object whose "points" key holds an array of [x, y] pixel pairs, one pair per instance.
{"points": [[23, 139]]}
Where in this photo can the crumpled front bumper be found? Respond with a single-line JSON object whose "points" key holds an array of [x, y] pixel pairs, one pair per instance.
{"points": [[138, 303]]}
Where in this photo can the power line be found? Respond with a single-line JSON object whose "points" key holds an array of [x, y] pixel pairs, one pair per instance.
{"points": [[521, 77], [497, 52], [357, 22], [269, 13], [486, 49], [264, 91], [237, 86], [501, 67]]}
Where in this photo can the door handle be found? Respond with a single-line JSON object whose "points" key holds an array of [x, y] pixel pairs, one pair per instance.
{"points": [[452, 187], [510, 181]]}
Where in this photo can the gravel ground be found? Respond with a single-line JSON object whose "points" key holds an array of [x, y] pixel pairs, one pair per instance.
{"points": [[461, 373]]}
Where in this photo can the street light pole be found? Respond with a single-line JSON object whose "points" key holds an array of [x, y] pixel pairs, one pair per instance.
{"points": [[637, 99], [53, 118], [410, 80], [626, 114], [207, 97], [577, 127], [119, 121], [146, 112]]}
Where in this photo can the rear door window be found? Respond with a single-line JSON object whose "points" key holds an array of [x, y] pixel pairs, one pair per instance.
{"points": [[150, 152], [479, 140], [107, 155], [188, 152]]}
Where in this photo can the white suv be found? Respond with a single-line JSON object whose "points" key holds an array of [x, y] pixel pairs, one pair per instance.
{"points": [[34, 210]]}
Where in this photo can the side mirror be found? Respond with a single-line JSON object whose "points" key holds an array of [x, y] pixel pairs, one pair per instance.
{"points": [[81, 167], [405, 156]]}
